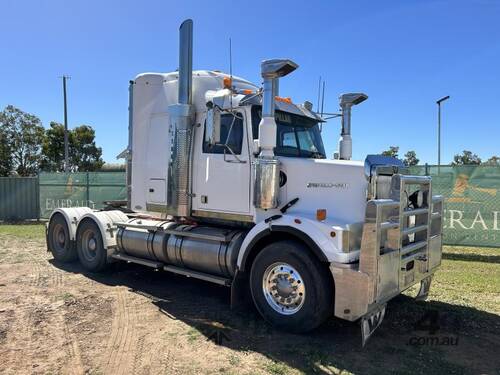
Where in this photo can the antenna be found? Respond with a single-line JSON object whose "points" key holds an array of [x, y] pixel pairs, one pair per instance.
{"points": [[231, 70], [319, 93], [230, 61], [322, 105], [323, 98]]}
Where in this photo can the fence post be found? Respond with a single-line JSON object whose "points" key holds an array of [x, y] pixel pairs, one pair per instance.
{"points": [[38, 197], [426, 169], [88, 190]]}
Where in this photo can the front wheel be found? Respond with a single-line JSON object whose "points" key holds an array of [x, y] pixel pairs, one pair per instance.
{"points": [[291, 289]]}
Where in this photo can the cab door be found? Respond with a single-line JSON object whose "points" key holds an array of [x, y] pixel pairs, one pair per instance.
{"points": [[222, 171]]}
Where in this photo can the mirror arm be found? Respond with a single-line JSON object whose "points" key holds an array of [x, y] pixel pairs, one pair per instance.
{"points": [[238, 160]]}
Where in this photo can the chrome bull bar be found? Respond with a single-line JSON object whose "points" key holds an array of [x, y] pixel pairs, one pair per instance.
{"points": [[400, 246]]}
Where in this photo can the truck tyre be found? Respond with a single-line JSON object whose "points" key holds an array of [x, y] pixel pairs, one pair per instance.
{"points": [[290, 287], [90, 248], [59, 243]]}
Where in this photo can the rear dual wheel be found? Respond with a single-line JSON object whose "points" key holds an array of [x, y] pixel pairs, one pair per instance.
{"points": [[90, 247], [290, 287], [59, 241]]}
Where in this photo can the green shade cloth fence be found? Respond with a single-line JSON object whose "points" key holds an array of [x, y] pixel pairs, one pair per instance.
{"points": [[472, 202], [472, 198], [89, 189]]}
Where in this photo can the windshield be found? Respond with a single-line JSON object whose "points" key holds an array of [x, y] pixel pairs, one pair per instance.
{"points": [[296, 136]]}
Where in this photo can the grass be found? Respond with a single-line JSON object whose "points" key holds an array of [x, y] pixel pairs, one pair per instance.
{"points": [[469, 277], [29, 231], [193, 335], [66, 297], [277, 368]]}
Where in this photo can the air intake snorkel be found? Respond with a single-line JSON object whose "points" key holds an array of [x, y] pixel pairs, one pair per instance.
{"points": [[345, 141], [266, 165]]}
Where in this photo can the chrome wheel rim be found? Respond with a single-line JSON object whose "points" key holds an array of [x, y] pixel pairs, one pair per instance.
{"points": [[89, 245], [283, 288]]}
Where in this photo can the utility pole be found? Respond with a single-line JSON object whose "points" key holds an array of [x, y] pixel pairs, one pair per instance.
{"points": [[66, 140], [438, 102]]}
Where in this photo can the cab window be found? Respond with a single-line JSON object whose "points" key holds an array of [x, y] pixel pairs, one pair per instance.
{"points": [[296, 136], [231, 134]]}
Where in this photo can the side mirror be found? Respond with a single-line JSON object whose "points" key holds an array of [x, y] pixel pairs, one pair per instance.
{"points": [[212, 130]]}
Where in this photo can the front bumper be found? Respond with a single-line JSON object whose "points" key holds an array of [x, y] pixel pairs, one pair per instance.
{"points": [[400, 247]]}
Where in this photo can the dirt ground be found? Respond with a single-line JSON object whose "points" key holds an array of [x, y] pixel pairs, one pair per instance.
{"points": [[56, 318]]}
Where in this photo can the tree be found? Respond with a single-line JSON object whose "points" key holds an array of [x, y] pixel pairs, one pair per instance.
{"points": [[5, 149], [392, 152], [25, 135], [53, 148], [411, 158], [466, 158], [84, 155], [493, 161]]}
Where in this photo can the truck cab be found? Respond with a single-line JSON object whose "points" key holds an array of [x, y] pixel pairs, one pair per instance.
{"points": [[230, 183]]}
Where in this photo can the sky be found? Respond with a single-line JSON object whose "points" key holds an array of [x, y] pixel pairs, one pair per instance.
{"points": [[403, 54]]}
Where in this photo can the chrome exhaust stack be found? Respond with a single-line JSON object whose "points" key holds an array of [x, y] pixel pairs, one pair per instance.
{"points": [[345, 141], [266, 165], [179, 169]]}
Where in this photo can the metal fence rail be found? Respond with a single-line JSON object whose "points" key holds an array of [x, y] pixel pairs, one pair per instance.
{"points": [[19, 198]]}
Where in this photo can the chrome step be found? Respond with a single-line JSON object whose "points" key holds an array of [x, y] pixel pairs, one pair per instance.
{"points": [[131, 259], [198, 275]]}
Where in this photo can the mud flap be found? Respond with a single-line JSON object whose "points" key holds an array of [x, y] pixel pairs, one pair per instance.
{"points": [[371, 321], [240, 295], [425, 285]]}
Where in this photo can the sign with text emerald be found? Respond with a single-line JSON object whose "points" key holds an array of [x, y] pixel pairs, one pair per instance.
{"points": [[472, 203]]}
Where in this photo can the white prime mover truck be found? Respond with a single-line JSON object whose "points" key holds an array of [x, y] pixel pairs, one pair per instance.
{"points": [[228, 182]]}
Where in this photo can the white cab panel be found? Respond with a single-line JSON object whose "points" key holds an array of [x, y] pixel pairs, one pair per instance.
{"points": [[221, 183], [151, 139], [157, 192], [339, 186]]}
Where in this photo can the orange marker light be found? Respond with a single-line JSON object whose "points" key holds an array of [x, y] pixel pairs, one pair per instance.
{"points": [[228, 83], [284, 100], [321, 214], [247, 92]]}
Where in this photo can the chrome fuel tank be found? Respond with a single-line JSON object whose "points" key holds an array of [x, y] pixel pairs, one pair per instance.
{"points": [[144, 243], [201, 248], [211, 256]]}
